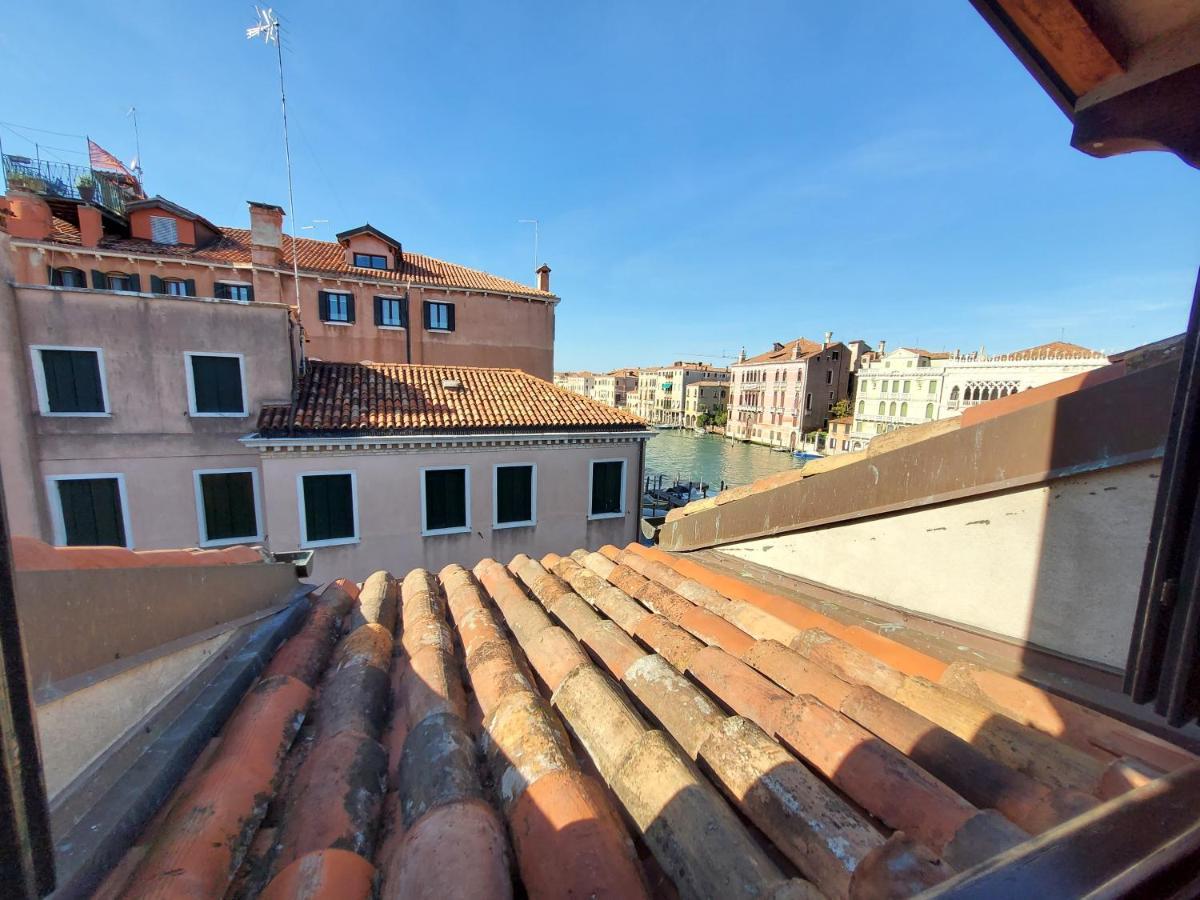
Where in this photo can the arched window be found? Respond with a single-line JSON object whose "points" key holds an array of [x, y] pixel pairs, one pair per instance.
{"points": [[929, 410], [882, 408], [904, 409], [954, 394], [862, 405], [995, 393], [119, 281], [892, 409]]}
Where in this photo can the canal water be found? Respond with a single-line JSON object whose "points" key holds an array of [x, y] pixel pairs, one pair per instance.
{"points": [[684, 455]]}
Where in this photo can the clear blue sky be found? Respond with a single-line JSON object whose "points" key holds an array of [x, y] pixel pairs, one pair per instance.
{"points": [[707, 175]]}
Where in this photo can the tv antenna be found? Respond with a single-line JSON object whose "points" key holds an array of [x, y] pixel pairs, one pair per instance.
{"points": [[268, 29], [316, 223], [137, 144]]}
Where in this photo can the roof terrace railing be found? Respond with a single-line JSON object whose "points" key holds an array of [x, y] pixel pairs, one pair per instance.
{"points": [[49, 178]]}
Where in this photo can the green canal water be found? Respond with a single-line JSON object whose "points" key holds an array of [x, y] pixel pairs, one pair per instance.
{"points": [[686, 456]]}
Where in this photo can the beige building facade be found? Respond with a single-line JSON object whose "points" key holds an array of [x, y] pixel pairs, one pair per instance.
{"points": [[704, 398]]}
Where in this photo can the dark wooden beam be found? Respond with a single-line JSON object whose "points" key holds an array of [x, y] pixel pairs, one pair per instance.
{"points": [[1160, 115]]}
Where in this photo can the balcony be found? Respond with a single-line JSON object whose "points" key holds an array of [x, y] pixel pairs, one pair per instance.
{"points": [[59, 180]]}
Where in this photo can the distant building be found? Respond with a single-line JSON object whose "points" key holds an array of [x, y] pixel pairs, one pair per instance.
{"points": [[612, 388], [670, 389], [778, 396], [704, 398], [910, 385]]}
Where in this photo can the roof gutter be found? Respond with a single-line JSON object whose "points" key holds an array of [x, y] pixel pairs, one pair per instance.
{"points": [[433, 440]]}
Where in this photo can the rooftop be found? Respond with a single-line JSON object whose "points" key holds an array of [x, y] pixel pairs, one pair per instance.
{"points": [[382, 399], [783, 353], [622, 723], [329, 257]]}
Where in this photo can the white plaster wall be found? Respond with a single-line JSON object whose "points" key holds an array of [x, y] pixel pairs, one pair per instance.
{"points": [[389, 506], [1057, 565], [73, 731]]}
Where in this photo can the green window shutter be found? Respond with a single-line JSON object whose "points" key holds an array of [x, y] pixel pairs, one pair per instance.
{"points": [[249, 292], [91, 511], [350, 308], [378, 310], [189, 285], [99, 280], [323, 306], [445, 499], [450, 316], [135, 283], [514, 494], [53, 276], [72, 380], [228, 499], [428, 313], [217, 384], [328, 507], [606, 487], [156, 285]]}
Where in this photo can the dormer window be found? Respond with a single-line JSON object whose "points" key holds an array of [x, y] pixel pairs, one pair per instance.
{"points": [[370, 261]]}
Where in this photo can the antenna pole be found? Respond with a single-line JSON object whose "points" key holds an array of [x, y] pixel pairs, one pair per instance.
{"points": [[287, 153], [137, 143]]}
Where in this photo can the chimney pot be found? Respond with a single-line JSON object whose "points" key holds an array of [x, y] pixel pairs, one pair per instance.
{"points": [[543, 278], [91, 227], [883, 348]]}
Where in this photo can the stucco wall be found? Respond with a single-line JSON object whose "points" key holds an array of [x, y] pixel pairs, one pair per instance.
{"points": [[1057, 565], [389, 510]]}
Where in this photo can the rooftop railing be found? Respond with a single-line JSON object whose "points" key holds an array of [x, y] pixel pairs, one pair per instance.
{"points": [[49, 178]]}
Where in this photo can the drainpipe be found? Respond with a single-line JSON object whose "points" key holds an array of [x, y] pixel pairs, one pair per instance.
{"points": [[408, 324]]}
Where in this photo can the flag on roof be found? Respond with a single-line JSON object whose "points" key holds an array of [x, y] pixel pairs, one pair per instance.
{"points": [[104, 161]]}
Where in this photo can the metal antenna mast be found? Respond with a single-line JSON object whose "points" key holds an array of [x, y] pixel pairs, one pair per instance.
{"points": [[137, 144], [268, 28], [534, 223]]}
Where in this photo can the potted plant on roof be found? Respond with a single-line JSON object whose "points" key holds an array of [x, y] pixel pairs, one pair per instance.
{"points": [[87, 187]]}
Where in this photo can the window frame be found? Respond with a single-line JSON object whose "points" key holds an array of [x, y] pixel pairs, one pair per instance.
{"points": [[181, 282], [400, 306], [221, 282], [532, 520], [202, 525], [191, 384], [57, 272], [329, 295], [305, 543], [620, 514], [371, 256], [430, 304], [108, 286], [58, 522], [426, 531], [43, 394]]}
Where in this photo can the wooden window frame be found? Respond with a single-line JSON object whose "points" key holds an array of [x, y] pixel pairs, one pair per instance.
{"points": [[305, 543], [532, 520], [43, 395], [188, 356], [58, 522], [202, 523], [426, 531]]}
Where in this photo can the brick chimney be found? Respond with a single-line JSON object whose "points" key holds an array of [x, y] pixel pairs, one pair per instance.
{"points": [[28, 216], [91, 226], [266, 234], [543, 278], [796, 350]]}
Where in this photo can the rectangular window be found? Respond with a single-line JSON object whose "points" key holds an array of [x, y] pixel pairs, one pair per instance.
{"points": [[439, 316], [368, 261], [118, 281], [808, 403], [335, 306], [444, 501], [215, 384], [607, 488], [89, 511], [175, 288], [227, 291], [164, 230], [829, 376], [390, 312], [227, 506], [328, 513], [514, 493], [70, 381], [67, 277], [835, 355]]}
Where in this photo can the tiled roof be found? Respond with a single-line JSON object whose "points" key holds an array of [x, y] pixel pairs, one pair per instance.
{"points": [[1053, 349], [32, 555], [930, 353], [381, 399], [688, 733], [784, 353], [313, 256]]}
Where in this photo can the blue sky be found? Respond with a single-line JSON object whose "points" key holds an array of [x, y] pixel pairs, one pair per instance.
{"points": [[707, 176]]}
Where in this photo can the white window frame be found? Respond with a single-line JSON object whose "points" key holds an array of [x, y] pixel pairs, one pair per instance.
{"points": [[43, 396], [439, 328], [400, 308], [202, 525], [624, 488], [532, 521], [228, 283], [191, 384], [426, 531], [345, 299], [305, 543], [58, 522]]}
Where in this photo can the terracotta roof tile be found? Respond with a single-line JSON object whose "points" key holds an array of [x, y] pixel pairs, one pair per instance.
{"points": [[233, 247], [383, 399], [1059, 349], [784, 353], [866, 766]]}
